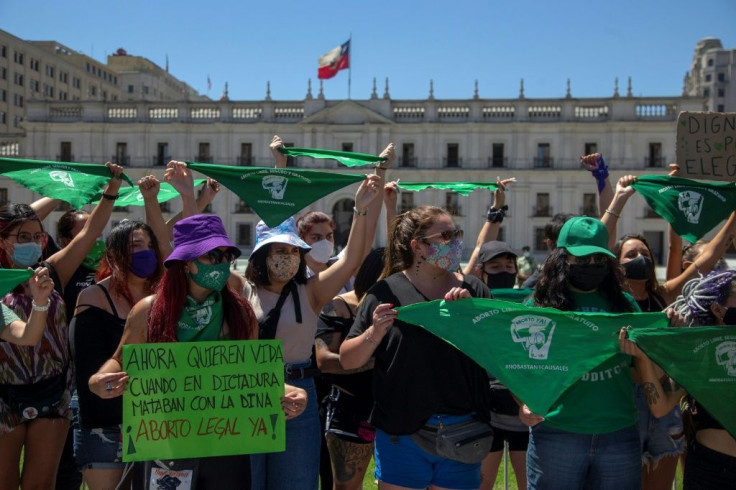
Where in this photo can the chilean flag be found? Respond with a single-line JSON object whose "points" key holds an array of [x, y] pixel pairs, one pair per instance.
{"points": [[334, 61]]}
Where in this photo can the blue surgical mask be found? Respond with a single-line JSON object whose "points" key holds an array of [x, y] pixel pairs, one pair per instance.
{"points": [[143, 263], [26, 254]]}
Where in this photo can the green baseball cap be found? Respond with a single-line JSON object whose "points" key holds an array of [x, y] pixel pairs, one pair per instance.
{"points": [[583, 235]]}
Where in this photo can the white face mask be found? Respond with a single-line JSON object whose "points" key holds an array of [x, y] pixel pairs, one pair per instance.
{"points": [[322, 251]]}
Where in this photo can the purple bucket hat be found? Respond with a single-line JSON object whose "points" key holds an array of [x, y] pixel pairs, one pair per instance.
{"points": [[196, 235], [283, 233]]}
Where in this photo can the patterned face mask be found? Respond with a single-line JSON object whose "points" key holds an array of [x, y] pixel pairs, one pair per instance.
{"points": [[211, 276], [283, 267], [445, 255]]}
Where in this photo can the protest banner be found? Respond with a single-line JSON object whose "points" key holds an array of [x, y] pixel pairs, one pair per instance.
{"points": [[347, 158], [462, 188], [706, 145], [538, 353], [200, 399]]}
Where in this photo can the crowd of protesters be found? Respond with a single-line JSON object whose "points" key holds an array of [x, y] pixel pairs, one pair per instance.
{"points": [[360, 383]]}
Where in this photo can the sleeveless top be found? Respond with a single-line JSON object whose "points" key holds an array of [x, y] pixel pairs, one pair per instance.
{"points": [[94, 335]]}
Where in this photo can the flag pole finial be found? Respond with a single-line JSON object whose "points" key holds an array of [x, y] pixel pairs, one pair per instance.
{"points": [[431, 89], [628, 89], [475, 92], [568, 92], [321, 95], [521, 89], [615, 87]]}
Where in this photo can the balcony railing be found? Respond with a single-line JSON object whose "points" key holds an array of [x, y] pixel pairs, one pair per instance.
{"points": [[246, 161], [452, 162], [544, 162], [123, 160], [498, 162], [542, 211], [160, 161], [407, 161], [203, 159], [654, 161]]}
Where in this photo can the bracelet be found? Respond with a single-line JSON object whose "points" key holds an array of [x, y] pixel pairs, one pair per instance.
{"points": [[369, 338], [496, 215], [613, 213], [37, 307], [357, 212], [110, 197]]}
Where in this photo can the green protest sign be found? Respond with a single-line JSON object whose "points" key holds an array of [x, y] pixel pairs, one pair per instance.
{"points": [[538, 353], [9, 278], [462, 188], [276, 193], [347, 158], [692, 207], [706, 145], [702, 360], [75, 183], [131, 196], [198, 399]]}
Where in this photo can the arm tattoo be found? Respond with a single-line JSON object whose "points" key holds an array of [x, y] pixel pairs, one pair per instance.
{"points": [[650, 392], [323, 341]]}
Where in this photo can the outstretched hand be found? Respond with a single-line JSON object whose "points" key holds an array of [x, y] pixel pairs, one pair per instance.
{"points": [[368, 191], [274, 146], [180, 177]]}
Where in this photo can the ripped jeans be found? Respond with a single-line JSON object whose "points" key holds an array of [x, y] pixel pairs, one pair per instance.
{"points": [[660, 437]]}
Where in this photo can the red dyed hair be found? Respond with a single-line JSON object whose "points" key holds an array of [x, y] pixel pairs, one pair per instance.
{"points": [[171, 296]]}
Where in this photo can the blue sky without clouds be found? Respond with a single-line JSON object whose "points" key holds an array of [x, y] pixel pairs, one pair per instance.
{"points": [[247, 43]]}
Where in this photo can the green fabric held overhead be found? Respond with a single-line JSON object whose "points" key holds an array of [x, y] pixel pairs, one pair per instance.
{"points": [[347, 158], [276, 193], [702, 360], [538, 353], [131, 196], [463, 188], [692, 207], [75, 183], [9, 278]]}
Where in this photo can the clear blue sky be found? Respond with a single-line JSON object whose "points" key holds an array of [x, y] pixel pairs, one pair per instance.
{"points": [[453, 42]]}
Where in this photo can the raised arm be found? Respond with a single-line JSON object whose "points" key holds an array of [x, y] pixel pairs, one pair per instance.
{"points": [[150, 187], [279, 158], [613, 212], [674, 255], [180, 177], [374, 208], [206, 195], [595, 164], [494, 218], [323, 286], [390, 199], [66, 260], [44, 206], [30, 332]]}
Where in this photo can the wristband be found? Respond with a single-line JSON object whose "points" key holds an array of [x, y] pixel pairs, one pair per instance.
{"points": [[357, 212], [496, 215], [110, 197], [601, 173], [613, 213], [37, 307]]}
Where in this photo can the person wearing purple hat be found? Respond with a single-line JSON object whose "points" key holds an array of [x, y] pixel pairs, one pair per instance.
{"points": [[589, 438], [195, 280], [287, 305]]}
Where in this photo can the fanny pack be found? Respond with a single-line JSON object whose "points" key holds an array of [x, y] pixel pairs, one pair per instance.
{"points": [[37, 400], [467, 442]]}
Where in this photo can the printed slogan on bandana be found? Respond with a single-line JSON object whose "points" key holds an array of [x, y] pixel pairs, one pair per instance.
{"points": [[198, 399], [706, 145]]}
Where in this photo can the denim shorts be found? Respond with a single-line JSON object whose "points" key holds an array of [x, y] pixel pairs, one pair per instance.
{"points": [[399, 461], [660, 437], [99, 448]]}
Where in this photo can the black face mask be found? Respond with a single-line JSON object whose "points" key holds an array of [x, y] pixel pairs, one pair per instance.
{"points": [[729, 318], [639, 268], [587, 277], [501, 280]]}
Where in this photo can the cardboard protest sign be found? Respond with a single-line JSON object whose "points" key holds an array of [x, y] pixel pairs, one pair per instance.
{"points": [[706, 145], [200, 399]]}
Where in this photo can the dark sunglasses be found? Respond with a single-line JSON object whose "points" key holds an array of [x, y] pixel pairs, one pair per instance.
{"points": [[597, 259], [217, 256], [446, 235]]}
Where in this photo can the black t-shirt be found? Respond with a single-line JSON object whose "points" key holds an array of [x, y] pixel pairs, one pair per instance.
{"points": [[417, 374], [82, 278], [94, 334], [359, 384]]}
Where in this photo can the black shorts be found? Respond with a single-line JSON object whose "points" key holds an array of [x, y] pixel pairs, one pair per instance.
{"points": [[347, 418], [518, 440]]}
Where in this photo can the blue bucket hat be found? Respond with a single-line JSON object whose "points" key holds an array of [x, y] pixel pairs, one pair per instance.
{"points": [[283, 233]]}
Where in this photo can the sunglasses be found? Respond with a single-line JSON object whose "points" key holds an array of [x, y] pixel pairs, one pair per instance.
{"points": [[598, 259], [217, 256], [446, 235]]}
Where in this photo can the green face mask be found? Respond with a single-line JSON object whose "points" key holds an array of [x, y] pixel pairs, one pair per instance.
{"points": [[94, 256], [211, 276]]}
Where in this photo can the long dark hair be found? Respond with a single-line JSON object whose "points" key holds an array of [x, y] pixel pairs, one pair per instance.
{"points": [[552, 289], [257, 270], [171, 296], [118, 257], [404, 228], [368, 272], [12, 215]]}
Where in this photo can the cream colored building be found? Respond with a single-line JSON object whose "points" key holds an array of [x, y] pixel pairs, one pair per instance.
{"points": [[712, 71]]}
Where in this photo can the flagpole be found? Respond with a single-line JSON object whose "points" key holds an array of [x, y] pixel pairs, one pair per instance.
{"points": [[350, 66]]}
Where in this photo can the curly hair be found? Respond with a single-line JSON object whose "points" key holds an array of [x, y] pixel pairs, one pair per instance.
{"points": [[552, 289], [404, 228], [700, 293]]}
